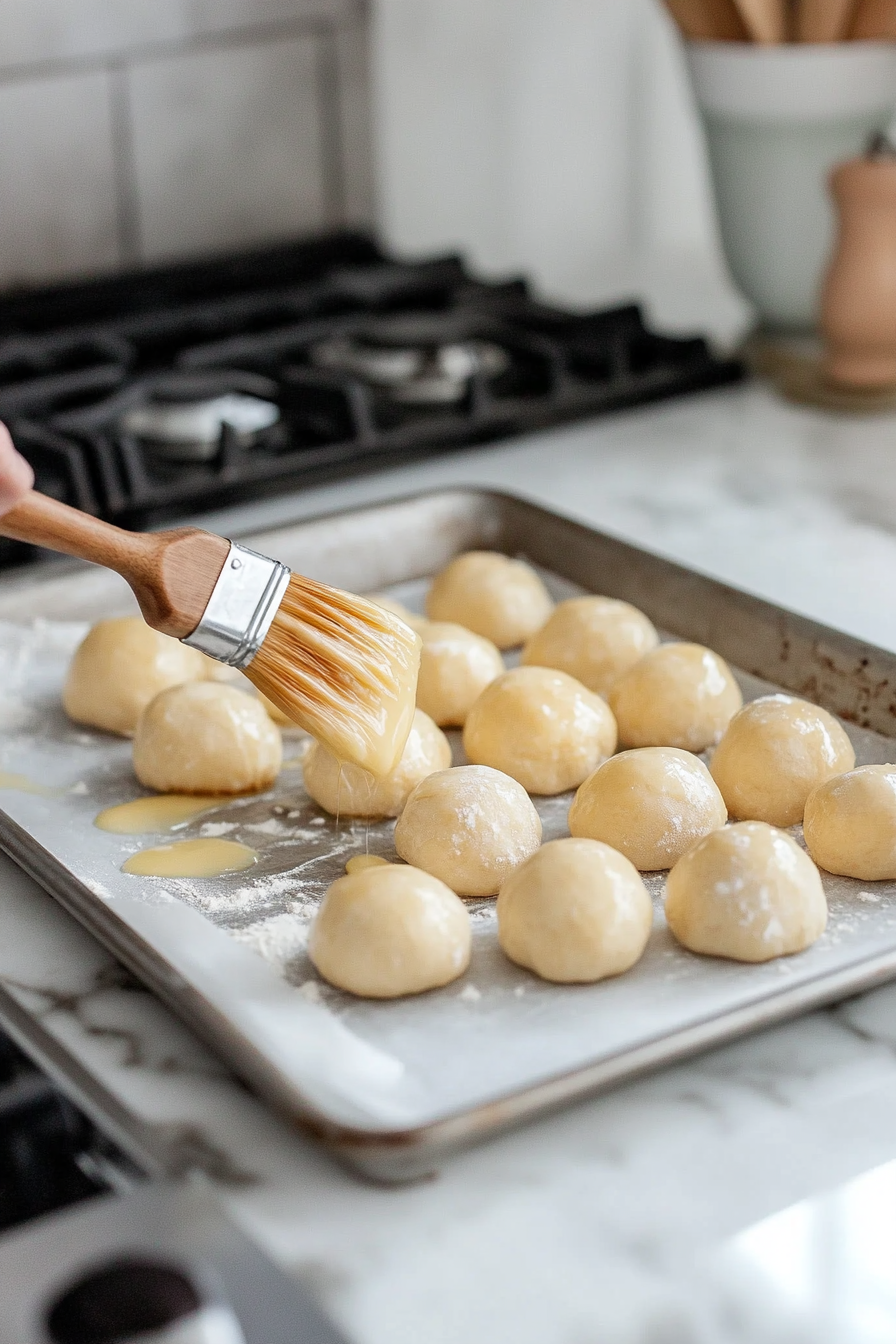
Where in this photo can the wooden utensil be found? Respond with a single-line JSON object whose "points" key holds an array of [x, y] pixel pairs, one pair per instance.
{"points": [[858, 310], [875, 20], [708, 20], [824, 20], [338, 665], [764, 20]]}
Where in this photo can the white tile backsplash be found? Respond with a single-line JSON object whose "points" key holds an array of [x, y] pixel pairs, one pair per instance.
{"points": [[57, 191], [38, 31], [356, 131], [134, 131], [227, 147]]}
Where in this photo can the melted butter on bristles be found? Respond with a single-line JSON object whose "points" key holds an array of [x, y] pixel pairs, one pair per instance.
{"points": [[342, 668]]}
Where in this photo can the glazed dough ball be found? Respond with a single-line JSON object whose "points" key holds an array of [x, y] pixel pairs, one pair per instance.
{"points": [[121, 665], [576, 911], [679, 695], [390, 930], [775, 752], [350, 791], [502, 599], [470, 826], [594, 639], [651, 804], [206, 737], [850, 824], [455, 668], [748, 892], [542, 727], [389, 603], [275, 713]]}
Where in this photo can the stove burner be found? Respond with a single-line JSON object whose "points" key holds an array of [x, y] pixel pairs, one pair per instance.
{"points": [[434, 376], [144, 397], [190, 431], [418, 358]]}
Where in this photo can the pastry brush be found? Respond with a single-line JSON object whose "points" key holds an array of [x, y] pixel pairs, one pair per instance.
{"points": [[338, 665]]}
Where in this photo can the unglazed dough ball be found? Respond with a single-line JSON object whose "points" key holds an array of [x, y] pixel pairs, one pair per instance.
{"points": [[356, 793], [206, 737], [502, 599], [121, 665], [679, 695], [470, 826], [455, 668], [748, 892], [576, 911], [390, 930], [594, 639], [542, 727], [850, 824], [775, 752], [651, 804]]}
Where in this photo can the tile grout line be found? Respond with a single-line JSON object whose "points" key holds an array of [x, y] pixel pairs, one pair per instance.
{"points": [[127, 198], [166, 49]]}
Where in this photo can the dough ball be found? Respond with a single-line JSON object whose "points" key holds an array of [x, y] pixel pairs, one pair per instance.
{"points": [[121, 665], [389, 603], [502, 599], [594, 639], [215, 671], [390, 930], [850, 824], [651, 804], [775, 752], [542, 727], [206, 737], [748, 892], [576, 911], [351, 791], [470, 826], [679, 695], [455, 668], [275, 713]]}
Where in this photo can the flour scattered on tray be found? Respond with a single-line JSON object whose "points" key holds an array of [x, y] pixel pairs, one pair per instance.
{"points": [[311, 991], [470, 994], [213, 829], [279, 939]]}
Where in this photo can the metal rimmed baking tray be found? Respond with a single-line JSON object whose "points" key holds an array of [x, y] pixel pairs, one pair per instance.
{"points": [[390, 1086]]}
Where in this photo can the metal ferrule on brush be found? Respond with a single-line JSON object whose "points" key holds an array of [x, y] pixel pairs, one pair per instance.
{"points": [[243, 604]]}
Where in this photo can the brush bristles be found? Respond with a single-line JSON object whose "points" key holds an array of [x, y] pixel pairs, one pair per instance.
{"points": [[342, 668]]}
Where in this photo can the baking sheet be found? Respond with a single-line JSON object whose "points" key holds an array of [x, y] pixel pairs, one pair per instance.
{"points": [[387, 1082]]}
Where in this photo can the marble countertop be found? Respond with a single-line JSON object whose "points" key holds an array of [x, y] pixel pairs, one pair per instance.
{"points": [[598, 1223]]}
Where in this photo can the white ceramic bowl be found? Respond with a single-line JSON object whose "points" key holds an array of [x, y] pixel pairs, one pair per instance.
{"points": [[777, 120]]}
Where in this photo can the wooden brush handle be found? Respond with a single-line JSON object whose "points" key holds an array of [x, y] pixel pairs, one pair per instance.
{"points": [[172, 573]]}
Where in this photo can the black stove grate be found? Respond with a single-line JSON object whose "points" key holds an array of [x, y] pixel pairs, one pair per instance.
{"points": [[322, 330]]}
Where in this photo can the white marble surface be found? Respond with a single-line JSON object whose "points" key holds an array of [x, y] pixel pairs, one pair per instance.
{"points": [[591, 1225]]}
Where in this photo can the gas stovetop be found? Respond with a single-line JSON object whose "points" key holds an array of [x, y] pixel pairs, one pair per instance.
{"points": [[147, 396]]}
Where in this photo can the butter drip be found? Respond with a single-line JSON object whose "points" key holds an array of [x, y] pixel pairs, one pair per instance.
{"points": [[191, 858], [162, 812]]}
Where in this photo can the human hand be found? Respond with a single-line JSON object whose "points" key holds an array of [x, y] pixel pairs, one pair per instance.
{"points": [[16, 476]]}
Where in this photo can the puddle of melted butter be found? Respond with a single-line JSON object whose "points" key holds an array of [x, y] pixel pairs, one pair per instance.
{"points": [[359, 862], [191, 858], [25, 785], [160, 813]]}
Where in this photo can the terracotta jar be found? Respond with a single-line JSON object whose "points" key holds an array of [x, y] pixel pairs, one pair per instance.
{"points": [[858, 307]]}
